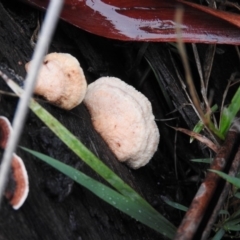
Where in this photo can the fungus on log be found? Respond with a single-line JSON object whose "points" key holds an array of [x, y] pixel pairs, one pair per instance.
{"points": [[61, 80], [55, 207], [17, 185], [123, 117]]}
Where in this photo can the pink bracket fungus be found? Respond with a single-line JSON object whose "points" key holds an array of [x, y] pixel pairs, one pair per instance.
{"points": [[18, 186], [123, 117], [61, 80]]}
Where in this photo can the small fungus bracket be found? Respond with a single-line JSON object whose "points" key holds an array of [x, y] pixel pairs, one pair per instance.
{"points": [[18, 186]]}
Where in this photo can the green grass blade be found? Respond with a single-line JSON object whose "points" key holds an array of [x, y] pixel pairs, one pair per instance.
{"points": [[114, 198], [235, 228], [200, 126], [202, 160], [220, 233], [226, 120], [229, 113], [174, 204], [197, 128], [233, 180], [232, 225]]}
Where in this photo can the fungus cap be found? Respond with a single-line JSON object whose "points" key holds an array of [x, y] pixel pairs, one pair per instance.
{"points": [[18, 185], [17, 192], [123, 117], [5, 130], [61, 80]]}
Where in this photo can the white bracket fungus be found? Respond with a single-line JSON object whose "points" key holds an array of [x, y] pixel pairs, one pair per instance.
{"points": [[123, 117], [61, 80]]}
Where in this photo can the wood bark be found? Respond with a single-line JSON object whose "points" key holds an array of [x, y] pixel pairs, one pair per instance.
{"points": [[56, 207]]}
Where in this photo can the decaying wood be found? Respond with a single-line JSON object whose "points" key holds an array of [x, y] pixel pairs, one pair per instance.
{"points": [[203, 204], [56, 208], [221, 199], [169, 82]]}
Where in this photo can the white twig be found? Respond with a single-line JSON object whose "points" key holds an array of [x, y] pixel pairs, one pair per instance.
{"points": [[48, 28]]}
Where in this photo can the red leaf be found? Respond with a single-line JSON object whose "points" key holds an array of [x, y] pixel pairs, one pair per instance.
{"points": [[149, 20]]}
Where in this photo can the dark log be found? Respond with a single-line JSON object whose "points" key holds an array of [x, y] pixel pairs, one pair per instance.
{"points": [[56, 208]]}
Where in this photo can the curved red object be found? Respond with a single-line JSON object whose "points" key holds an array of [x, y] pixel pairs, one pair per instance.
{"points": [[148, 20]]}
